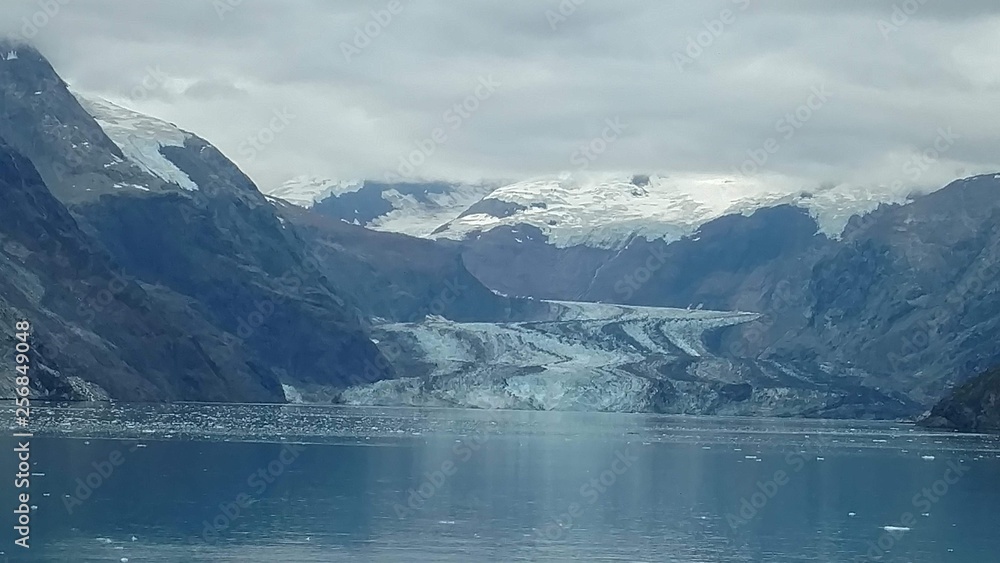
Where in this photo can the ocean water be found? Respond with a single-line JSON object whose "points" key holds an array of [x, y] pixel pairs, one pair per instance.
{"points": [[250, 483]]}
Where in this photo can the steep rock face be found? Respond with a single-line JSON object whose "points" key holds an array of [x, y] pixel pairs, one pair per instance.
{"points": [[972, 407], [726, 265], [178, 216], [249, 276], [45, 122], [912, 293], [397, 278], [519, 261], [96, 332]]}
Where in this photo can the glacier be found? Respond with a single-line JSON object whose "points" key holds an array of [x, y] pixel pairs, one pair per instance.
{"points": [[583, 357]]}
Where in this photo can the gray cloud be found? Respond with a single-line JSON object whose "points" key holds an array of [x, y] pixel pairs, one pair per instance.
{"points": [[213, 89], [891, 87]]}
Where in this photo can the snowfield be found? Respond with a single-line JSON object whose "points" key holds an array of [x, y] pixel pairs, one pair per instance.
{"points": [[307, 191], [606, 211], [140, 138], [601, 210]]}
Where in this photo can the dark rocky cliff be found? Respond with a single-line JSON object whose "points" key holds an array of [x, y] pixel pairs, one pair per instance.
{"points": [[97, 331], [217, 252], [972, 407]]}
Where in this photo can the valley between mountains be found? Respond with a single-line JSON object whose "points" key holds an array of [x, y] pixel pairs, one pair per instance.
{"points": [[154, 269]]}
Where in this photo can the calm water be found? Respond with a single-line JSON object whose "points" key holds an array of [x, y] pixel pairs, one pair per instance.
{"points": [[286, 483]]}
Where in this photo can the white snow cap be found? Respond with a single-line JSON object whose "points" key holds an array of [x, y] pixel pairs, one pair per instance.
{"points": [[140, 138], [306, 191], [607, 210]]}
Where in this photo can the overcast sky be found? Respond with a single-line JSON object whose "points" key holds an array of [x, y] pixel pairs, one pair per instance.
{"points": [[880, 89]]}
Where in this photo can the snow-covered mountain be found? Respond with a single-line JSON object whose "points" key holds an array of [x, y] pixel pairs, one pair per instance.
{"points": [[305, 191], [410, 208], [151, 267], [608, 211], [599, 211]]}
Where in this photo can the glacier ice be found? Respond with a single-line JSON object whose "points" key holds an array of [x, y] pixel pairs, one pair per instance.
{"points": [[584, 356]]}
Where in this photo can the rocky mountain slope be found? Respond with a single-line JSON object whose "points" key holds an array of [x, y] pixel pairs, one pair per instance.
{"points": [[96, 331], [850, 302], [182, 221], [972, 407], [893, 290]]}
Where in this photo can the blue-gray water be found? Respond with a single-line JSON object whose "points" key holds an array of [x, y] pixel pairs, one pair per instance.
{"points": [[295, 483]]}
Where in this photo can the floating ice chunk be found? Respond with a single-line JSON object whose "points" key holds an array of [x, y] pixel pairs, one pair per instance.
{"points": [[292, 395]]}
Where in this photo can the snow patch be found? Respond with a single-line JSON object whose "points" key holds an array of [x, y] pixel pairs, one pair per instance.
{"points": [[421, 218], [140, 138], [292, 395], [306, 191]]}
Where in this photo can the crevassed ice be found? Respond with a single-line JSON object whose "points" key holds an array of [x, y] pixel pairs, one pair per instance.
{"points": [[577, 360]]}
